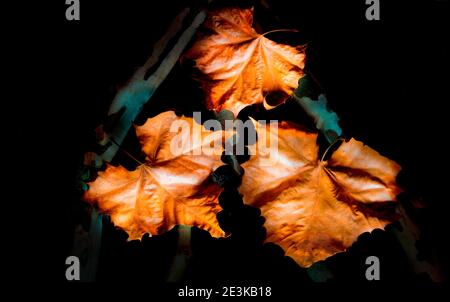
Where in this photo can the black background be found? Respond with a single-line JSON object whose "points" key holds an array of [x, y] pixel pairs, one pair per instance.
{"points": [[385, 79]]}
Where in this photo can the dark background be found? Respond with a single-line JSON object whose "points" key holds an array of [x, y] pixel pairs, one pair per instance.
{"points": [[385, 79]]}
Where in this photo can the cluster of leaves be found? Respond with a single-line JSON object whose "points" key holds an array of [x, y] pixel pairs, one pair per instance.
{"points": [[313, 206]]}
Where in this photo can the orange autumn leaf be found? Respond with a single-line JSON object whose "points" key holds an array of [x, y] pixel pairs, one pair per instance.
{"points": [[239, 67], [172, 188], [316, 208]]}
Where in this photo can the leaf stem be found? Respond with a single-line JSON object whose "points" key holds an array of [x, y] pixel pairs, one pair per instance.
{"points": [[329, 147], [278, 30]]}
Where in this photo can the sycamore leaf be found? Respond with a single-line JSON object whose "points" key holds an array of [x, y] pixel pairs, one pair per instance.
{"points": [[239, 67], [316, 208], [172, 188]]}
